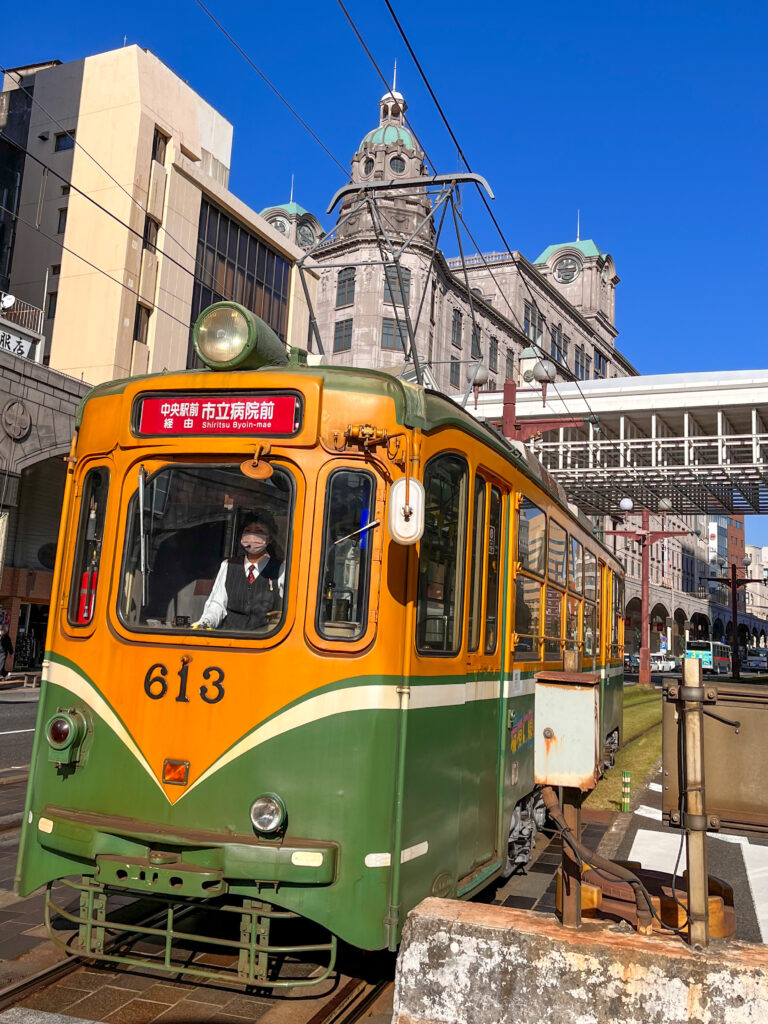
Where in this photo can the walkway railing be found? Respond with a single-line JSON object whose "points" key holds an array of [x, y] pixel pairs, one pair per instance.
{"points": [[23, 314]]}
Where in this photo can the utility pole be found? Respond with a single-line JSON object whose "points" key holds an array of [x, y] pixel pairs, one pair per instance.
{"points": [[734, 582], [646, 537]]}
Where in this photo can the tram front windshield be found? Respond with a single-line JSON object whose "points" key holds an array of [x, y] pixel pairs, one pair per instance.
{"points": [[207, 549]]}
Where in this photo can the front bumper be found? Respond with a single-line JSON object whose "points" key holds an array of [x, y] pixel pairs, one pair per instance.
{"points": [[143, 856]]}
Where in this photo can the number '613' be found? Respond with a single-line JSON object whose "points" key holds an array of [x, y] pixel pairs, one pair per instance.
{"points": [[156, 683]]}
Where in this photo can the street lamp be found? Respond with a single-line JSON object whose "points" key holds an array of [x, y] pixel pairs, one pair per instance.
{"points": [[646, 537]]}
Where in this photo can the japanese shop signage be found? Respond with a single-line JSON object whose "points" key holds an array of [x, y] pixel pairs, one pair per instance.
{"points": [[219, 415], [15, 344]]}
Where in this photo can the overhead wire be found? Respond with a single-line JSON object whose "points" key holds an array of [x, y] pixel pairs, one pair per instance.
{"points": [[496, 224], [274, 89]]}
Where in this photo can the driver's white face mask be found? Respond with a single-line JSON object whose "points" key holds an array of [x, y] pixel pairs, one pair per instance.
{"points": [[254, 541]]}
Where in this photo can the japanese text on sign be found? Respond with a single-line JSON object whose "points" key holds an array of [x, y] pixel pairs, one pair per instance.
{"points": [[220, 414]]}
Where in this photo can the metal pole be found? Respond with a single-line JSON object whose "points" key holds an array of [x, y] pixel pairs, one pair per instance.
{"points": [[735, 623], [644, 676], [695, 820], [571, 871]]}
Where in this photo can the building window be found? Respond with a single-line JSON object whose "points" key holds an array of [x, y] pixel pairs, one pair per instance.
{"points": [[62, 221], [392, 291], [533, 322], [232, 263], [51, 310], [559, 345], [583, 364], [64, 140], [141, 324], [455, 377], [55, 269], [393, 335], [342, 336], [151, 227], [345, 287], [456, 328], [491, 385], [477, 352], [65, 190], [509, 370], [493, 355], [159, 144], [601, 365]]}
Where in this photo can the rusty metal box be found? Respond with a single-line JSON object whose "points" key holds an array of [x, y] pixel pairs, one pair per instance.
{"points": [[567, 717]]}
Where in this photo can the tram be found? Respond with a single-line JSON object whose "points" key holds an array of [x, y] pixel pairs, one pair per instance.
{"points": [[339, 733]]}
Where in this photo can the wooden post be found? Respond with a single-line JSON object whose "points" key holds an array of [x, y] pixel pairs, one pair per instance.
{"points": [[695, 814]]}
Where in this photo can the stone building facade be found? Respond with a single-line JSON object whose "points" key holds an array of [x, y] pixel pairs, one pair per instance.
{"points": [[563, 305], [37, 420]]}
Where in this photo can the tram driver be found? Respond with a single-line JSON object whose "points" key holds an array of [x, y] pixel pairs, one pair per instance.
{"points": [[247, 593]]}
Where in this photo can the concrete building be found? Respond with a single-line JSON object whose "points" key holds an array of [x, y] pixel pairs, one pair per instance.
{"points": [[563, 304], [125, 171]]}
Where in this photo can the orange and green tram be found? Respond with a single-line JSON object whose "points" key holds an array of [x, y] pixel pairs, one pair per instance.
{"points": [[354, 731]]}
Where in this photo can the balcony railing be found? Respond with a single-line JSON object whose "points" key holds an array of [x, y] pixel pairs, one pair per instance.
{"points": [[24, 315]]}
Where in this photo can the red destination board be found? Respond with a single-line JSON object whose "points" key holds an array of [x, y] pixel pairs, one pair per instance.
{"points": [[217, 415]]}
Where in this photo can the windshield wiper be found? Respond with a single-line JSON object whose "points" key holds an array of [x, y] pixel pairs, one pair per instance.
{"points": [[143, 538]]}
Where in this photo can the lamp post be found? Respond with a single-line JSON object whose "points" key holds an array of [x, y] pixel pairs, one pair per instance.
{"points": [[645, 537], [734, 582]]}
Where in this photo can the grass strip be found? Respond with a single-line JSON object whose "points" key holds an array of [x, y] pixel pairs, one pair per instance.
{"points": [[640, 752]]}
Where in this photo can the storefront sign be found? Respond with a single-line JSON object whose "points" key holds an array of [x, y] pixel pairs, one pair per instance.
{"points": [[218, 415], [14, 343]]}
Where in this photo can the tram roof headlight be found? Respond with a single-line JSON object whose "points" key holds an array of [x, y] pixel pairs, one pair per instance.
{"points": [[227, 336], [268, 813]]}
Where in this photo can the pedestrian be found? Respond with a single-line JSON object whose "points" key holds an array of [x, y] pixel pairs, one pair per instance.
{"points": [[6, 650]]}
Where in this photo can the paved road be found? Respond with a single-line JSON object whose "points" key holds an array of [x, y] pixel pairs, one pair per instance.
{"points": [[17, 724]]}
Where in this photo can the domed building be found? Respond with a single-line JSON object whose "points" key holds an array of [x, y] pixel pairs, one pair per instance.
{"points": [[362, 301], [297, 224]]}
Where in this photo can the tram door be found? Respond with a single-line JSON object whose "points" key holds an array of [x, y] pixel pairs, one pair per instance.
{"points": [[479, 786]]}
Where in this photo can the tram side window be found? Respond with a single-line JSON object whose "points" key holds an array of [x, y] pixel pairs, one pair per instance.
{"points": [[207, 548], [82, 595], [527, 617], [590, 631], [572, 622], [532, 537], [476, 580], [553, 629], [557, 548], [494, 572], [442, 556], [590, 576], [347, 541], [618, 614], [576, 566]]}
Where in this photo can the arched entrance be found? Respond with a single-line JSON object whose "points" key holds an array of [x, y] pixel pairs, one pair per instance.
{"points": [[678, 633], [699, 626], [632, 626], [659, 615], [719, 631]]}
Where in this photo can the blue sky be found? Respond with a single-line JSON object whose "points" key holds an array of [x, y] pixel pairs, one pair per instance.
{"points": [[650, 118]]}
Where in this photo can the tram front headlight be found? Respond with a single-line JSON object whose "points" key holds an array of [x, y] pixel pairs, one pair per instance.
{"points": [[221, 334], [65, 732], [268, 813]]}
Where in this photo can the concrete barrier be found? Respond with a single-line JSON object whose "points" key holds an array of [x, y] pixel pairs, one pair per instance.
{"points": [[466, 963]]}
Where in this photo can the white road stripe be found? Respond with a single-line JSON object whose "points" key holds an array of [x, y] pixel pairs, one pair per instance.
{"points": [[657, 851], [649, 812], [15, 732], [756, 863]]}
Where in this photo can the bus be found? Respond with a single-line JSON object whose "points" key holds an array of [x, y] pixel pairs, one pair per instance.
{"points": [[714, 657]]}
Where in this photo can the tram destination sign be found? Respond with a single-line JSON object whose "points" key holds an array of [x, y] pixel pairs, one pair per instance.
{"points": [[218, 415]]}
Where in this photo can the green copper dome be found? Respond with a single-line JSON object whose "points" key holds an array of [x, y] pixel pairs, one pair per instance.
{"points": [[388, 135]]}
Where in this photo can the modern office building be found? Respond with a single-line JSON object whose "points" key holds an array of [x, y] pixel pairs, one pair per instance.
{"points": [[117, 172]]}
